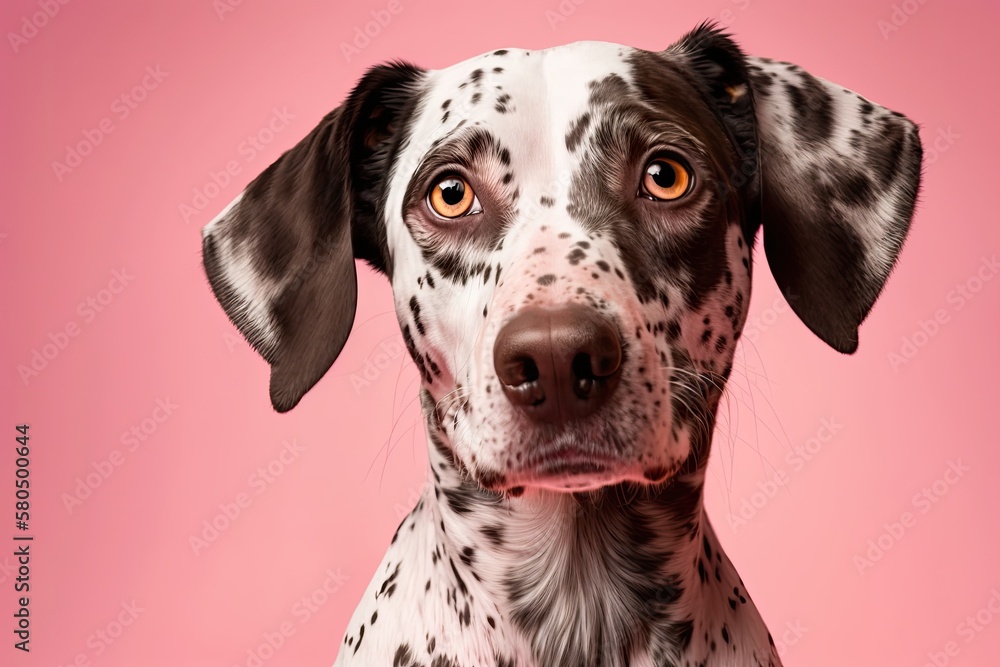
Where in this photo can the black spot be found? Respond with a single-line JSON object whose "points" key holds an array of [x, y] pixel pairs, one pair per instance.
{"points": [[415, 309], [494, 534], [813, 108], [502, 105], [458, 578], [673, 330], [576, 131], [402, 658], [361, 635], [855, 188], [547, 279]]}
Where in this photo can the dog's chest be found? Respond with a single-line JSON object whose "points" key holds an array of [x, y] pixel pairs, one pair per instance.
{"points": [[432, 604], [421, 608]]}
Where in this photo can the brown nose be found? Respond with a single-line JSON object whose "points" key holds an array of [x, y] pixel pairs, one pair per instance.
{"points": [[558, 364]]}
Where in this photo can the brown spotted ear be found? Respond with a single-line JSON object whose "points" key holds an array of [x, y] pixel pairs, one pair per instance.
{"points": [[838, 181], [280, 257]]}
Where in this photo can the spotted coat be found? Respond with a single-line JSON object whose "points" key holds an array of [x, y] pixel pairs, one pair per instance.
{"points": [[501, 563]]}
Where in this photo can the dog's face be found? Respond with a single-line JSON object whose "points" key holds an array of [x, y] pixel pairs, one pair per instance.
{"points": [[568, 236], [590, 177]]}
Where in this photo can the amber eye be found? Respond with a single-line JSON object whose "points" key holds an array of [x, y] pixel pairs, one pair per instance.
{"points": [[665, 179], [452, 197]]}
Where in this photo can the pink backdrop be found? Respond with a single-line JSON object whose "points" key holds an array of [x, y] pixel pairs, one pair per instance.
{"points": [[150, 419]]}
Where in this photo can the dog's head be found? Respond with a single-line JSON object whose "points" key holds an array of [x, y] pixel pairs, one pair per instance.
{"points": [[568, 234]]}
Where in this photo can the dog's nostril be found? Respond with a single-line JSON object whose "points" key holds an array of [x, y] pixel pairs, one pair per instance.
{"points": [[582, 367], [529, 371], [519, 372], [583, 376]]}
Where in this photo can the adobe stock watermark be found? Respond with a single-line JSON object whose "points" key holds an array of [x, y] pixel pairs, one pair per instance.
{"points": [[87, 311], [8, 569], [727, 17], [248, 149], [788, 636], [562, 12], [32, 23], [99, 641], [131, 440], [403, 509], [223, 7], [967, 631], [957, 298], [259, 481], [376, 362], [363, 35], [302, 611], [898, 17], [942, 142], [757, 324], [796, 460], [121, 108], [923, 501]]}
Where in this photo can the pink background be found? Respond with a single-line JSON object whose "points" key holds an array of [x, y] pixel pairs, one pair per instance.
{"points": [[896, 427]]}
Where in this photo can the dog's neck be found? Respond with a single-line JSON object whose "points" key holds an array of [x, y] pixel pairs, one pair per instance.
{"points": [[620, 576]]}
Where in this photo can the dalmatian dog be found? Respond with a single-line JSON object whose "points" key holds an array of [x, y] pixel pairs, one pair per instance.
{"points": [[568, 236]]}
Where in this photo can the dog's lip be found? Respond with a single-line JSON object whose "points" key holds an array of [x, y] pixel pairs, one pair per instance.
{"points": [[567, 462], [567, 469]]}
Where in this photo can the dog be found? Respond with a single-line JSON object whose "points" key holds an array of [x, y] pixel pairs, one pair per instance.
{"points": [[568, 236]]}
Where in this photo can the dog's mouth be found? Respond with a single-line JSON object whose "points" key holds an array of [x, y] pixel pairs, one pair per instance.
{"points": [[564, 462], [570, 470]]}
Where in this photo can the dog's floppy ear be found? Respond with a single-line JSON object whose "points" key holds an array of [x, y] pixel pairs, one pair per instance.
{"points": [[838, 179], [280, 257]]}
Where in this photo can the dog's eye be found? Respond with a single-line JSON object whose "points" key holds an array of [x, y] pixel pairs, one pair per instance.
{"points": [[665, 179], [452, 197]]}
